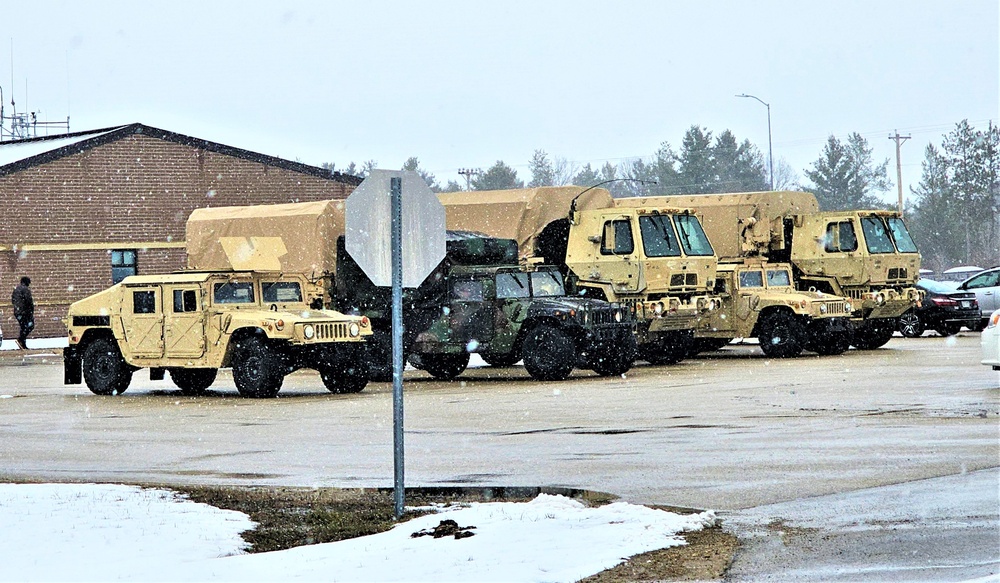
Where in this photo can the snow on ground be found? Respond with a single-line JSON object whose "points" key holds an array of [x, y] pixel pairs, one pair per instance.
{"points": [[91, 532]]}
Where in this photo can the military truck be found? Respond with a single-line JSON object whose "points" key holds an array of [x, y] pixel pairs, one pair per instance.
{"points": [[866, 256], [191, 324], [759, 301], [656, 260], [512, 316], [479, 300]]}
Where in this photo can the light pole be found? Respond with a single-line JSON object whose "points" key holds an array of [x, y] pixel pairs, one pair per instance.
{"points": [[770, 153]]}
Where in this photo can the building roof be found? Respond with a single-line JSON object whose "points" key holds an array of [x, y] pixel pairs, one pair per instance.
{"points": [[16, 155]]}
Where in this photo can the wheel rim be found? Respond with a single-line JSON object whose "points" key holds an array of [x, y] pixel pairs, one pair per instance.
{"points": [[909, 325]]}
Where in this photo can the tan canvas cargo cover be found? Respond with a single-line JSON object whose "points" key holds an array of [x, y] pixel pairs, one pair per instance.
{"points": [[295, 237], [518, 214], [739, 224]]}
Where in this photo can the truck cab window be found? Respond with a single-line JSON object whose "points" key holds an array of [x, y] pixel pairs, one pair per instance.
{"points": [[876, 235], [658, 238], [693, 237], [840, 237], [901, 235], [620, 240]]}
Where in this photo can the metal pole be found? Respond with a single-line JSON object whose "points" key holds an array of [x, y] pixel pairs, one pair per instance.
{"points": [[396, 187], [770, 152]]}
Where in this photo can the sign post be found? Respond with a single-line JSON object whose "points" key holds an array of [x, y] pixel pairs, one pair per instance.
{"points": [[396, 245]]}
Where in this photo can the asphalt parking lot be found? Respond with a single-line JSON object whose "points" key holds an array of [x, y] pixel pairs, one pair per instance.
{"points": [[885, 437]]}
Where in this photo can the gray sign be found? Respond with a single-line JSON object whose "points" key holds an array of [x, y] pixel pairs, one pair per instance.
{"points": [[368, 227]]}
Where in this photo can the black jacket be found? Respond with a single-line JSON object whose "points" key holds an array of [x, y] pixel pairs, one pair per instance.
{"points": [[24, 306]]}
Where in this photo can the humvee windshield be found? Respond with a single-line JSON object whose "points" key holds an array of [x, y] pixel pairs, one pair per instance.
{"points": [[778, 277], [547, 284], [512, 284], [693, 237], [876, 235], [281, 291], [904, 243], [233, 293], [751, 279], [658, 236]]}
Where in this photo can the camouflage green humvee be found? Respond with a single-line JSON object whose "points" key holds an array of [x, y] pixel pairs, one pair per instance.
{"points": [[193, 323]]}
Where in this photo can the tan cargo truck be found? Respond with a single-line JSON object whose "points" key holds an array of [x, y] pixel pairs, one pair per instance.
{"points": [[191, 324], [657, 260], [866, 256]]}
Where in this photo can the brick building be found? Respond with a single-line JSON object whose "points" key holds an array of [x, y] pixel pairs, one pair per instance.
{"points": [[83, 210]]}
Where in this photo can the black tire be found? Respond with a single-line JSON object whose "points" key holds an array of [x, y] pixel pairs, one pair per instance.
{"points": [[870, 336], [948, 329], [780, 335], [445, 366], [104, 369], [379, 348], [617, 359], [350, 375], [670, 348], [831, 343], [549, 354], [497, 359], [708, 345], [910, 325], [193, 381], [258, 369]]}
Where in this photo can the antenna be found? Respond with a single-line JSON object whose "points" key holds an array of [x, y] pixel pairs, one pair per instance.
{"points": [[25, 125]]}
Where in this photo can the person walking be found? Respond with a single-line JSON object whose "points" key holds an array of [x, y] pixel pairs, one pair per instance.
{"points": [[24, 310]]}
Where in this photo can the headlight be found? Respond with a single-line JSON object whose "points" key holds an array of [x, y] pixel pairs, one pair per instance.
{"points": [[308, 331], [822, 308], [354, 330], [658, 308], [880, 298], [848, 307], [618, 316]]}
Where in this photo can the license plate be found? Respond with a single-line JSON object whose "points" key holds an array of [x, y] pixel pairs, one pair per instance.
{"points": [[966, 304]]}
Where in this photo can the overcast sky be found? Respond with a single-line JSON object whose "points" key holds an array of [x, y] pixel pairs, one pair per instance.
{"points": [[463, 84]]}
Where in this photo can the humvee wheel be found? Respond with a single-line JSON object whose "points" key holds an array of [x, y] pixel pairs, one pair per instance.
{"points": [[104, 369], [445, 366], [379, 357], [869, 336], [498, 359], [549, 354], [616, 359], [258, 369], [193, 381], [830, 343], [349, 377], [780, 335]]}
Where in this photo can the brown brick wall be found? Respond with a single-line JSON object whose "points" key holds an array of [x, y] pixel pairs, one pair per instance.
{"points": [[137, 189]]}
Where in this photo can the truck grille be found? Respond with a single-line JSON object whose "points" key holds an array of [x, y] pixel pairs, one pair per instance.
{"points": [[684, 279], [602, 317], [330, 331]]}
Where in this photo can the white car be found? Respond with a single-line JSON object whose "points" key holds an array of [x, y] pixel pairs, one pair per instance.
{"points": [[986, 286], [991, 341]]}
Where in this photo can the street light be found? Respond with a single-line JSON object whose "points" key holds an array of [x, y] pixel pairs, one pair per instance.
{"points": [[770, 153]]}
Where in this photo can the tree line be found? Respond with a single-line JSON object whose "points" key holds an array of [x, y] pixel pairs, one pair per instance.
{"points": [[953, 213]]}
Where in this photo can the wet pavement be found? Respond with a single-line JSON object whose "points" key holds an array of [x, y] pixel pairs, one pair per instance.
{"points": [[870, 465]]}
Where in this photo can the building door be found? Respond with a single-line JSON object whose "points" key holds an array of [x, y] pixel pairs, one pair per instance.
{"points": [[144, 327], [184, 329]]}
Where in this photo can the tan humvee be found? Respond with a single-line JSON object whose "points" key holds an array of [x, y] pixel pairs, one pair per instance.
{"points": [[864, 255], [656, 259], [759, 301], [193, 323]]}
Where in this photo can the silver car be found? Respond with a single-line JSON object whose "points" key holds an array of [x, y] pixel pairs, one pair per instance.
{"points": [[986, 286]]}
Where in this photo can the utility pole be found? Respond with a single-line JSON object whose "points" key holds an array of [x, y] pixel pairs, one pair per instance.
{"points": [[469, 173], [899, 167]]}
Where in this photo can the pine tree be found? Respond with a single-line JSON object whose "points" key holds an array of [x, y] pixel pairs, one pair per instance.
{"points": [[845, 177], [542, 172], [498, 177]]}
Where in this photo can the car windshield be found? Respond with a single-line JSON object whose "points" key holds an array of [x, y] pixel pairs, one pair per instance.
{"points": [[876, 236], [901, 236], [547, 284], [281, 291], [658, 238], [693, 237]]}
